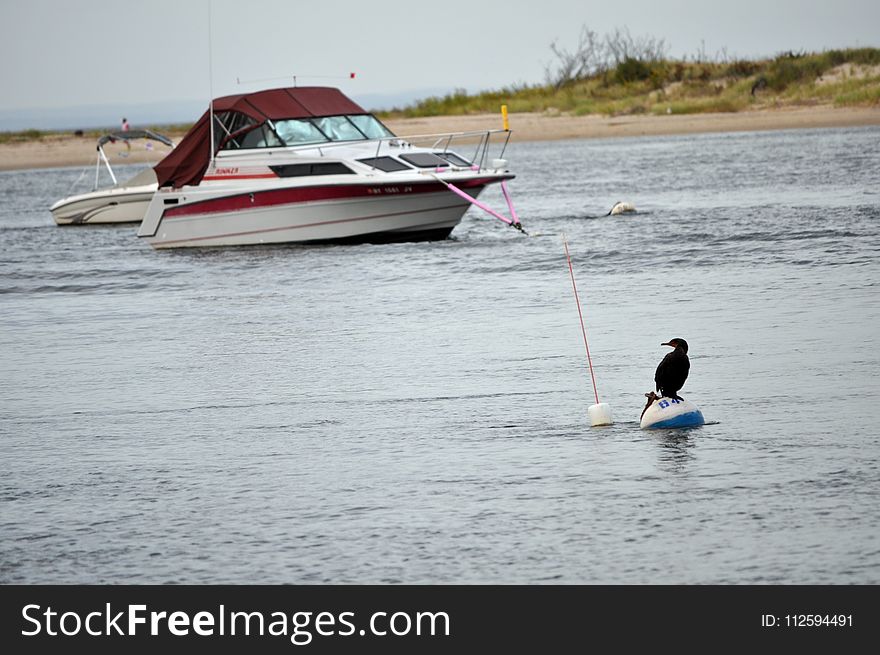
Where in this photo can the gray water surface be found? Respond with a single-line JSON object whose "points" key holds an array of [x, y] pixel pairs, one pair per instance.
{"points": [[416, 413]]}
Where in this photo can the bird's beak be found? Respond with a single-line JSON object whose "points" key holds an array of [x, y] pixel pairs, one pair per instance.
{"points": [[667, 344]]}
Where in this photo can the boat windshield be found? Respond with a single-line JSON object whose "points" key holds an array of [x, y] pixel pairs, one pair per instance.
{"points": [[299, 131], [371, 127]]}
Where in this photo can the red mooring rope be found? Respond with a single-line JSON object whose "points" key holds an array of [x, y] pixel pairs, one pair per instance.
{"points": [[581, 316]]}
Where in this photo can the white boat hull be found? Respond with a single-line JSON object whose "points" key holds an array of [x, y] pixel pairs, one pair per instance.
{"points": [[116, 205], [307, 164], [214, 217]]}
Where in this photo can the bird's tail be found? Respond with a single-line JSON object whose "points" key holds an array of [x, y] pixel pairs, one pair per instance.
{"points": [[651, 396]]}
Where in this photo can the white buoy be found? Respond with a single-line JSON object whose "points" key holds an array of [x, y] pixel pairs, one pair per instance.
{"points": [[622, 207], [599, 414], [671, 413]]}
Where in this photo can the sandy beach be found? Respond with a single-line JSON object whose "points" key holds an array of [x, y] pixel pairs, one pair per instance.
{"points": [[58, 151]]}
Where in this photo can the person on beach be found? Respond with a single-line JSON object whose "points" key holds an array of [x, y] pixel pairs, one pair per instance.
{"points": [[125, 128]]}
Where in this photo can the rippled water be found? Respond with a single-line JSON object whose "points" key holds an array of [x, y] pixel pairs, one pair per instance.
{"points": [[417, 412]]}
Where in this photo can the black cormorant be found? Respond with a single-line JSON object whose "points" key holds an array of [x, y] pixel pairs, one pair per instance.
{"points": [[673, 370]]}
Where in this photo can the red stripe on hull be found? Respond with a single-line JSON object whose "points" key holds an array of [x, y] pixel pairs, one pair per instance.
{"points": [[295, 195]]}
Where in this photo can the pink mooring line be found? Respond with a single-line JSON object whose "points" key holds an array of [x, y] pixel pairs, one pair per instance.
{"points": [[509, 201], [483, 206]]}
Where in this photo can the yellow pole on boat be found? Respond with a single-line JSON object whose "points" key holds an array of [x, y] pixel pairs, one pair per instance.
{"points": [[504, 120]]}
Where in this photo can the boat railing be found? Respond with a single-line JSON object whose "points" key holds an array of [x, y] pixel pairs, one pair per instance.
{"points": [[483, 142], [125, 137]]}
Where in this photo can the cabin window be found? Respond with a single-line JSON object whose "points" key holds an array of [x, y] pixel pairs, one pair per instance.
{"points": [[424, 160], [318, 168], [229, 127], [261, 137], [453, 159], [387, 164]]}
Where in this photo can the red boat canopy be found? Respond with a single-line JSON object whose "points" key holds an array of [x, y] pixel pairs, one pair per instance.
{"points": [[186, 164]]}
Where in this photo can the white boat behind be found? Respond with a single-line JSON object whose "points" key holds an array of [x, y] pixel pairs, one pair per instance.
{"points": [[307, 164], [124, 202]]}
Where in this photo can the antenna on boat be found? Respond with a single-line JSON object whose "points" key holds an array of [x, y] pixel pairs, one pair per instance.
{"points": [[210, 81], [350, 76]]}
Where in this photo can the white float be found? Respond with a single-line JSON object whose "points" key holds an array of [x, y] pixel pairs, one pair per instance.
{"points": [[622, 208], [671, 413], [600, 414]]}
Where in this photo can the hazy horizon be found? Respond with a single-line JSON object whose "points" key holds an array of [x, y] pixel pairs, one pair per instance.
{"points": [[100, 116], [110, 57]]}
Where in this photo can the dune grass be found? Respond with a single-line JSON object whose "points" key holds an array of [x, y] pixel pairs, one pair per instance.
{"points": [[683, 87], [24, 136], [843, 78]]}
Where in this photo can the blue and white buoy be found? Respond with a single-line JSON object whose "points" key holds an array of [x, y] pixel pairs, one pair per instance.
{"points": [[672, 413]]}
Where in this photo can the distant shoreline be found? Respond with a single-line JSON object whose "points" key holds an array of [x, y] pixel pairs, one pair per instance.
{"points": [[546, 127], [62, 151]]}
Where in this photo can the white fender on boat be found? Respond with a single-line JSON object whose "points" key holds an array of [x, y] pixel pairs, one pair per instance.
{"points": [[672, 413], [600, 414]]}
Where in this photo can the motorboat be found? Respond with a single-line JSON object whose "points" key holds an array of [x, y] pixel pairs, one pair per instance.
{"points": [[308, 164], [123, 202]]}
